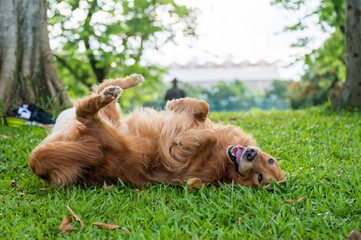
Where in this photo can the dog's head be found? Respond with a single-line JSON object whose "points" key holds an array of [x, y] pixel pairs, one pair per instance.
{"points": [[254, 166]]}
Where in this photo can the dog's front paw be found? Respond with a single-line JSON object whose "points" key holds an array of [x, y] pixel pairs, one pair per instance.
{"points": [[136, 79], [110, 93]]}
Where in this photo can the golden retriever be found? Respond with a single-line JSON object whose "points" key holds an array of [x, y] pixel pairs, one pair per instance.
{"points": [[147, 146]]}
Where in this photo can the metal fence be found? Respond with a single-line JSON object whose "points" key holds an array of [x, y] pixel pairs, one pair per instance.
{"points": [[223, 105]]}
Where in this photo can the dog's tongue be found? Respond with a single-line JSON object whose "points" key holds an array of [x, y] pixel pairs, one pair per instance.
{"points": [[237, 151]]}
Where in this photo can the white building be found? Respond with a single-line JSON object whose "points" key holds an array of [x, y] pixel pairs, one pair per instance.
{"points": [[255, 75]]}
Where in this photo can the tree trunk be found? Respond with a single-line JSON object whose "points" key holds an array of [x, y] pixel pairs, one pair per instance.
{"points": [[350, 95], [28, 72]]}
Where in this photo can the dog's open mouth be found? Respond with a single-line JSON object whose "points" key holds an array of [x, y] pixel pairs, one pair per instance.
{"points": [[235, 153]]}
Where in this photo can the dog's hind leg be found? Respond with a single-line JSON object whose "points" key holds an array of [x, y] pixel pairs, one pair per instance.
{"points": [[197, 109], [110, 111]]}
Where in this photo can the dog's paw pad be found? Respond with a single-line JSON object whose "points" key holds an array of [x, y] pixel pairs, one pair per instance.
{"points": [[111, 92], [137, 79]]}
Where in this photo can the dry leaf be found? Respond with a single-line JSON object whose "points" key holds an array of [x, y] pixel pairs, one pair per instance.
{"points": [[354, 235], [76, 217], [110, 226], [290, 201], [14, 183], [65, 225], [137, 191], [45, 126], [249, 215], [192, 183], [279, 182], [239, 221], [108, 187], [6, 136]]}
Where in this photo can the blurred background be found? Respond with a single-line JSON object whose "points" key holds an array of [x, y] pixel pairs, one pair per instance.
{"points": [[236, 55]]}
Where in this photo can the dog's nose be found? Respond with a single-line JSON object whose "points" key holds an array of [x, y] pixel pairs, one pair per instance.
{"points": [[250, 154]]}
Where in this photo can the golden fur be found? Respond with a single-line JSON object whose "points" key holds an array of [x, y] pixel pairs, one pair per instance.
{"points": [[147, 146]]}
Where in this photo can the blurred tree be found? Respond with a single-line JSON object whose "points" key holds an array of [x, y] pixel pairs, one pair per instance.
{"points": [[226, 95], [100, 39], [235, 96], [350, 95], [225, 90], [27, 69], [194, 91], [278, 88], [324, 67]]}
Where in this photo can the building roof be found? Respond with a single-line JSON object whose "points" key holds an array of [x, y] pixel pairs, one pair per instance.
{"points": [[255, 75]]}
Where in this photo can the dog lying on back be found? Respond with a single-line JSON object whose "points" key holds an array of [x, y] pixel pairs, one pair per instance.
{"points": [[97, 146]]}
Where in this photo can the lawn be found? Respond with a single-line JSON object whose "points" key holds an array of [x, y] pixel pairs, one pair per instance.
{"points": [[318, 149]]}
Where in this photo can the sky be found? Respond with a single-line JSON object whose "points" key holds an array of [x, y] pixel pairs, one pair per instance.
{"points": [[242, 30]]}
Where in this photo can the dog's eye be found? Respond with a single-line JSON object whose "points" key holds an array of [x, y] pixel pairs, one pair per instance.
{"points": [[271, 161], [260, 178]]}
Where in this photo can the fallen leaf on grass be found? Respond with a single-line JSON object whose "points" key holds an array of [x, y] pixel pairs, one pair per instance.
{"points": [[137, 191], [31, 204], [354, 235], [65, 225], [278, 182], [6, 136], [290, 201], [194, 184], [14, 183], [239, 221], [108, 187], [249, 215], [46, 126], [110, 226], [76, 217]]}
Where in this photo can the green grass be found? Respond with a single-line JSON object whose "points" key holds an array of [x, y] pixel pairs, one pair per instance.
{"points": [[319, 150]]}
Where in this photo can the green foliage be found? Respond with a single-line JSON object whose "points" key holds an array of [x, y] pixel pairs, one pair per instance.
{"points": [[324, 67], [102, 39], [278, 89], [319, 151], [222, 95], [330, 13], [234, 96], [322, 76], [226, 94]]}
